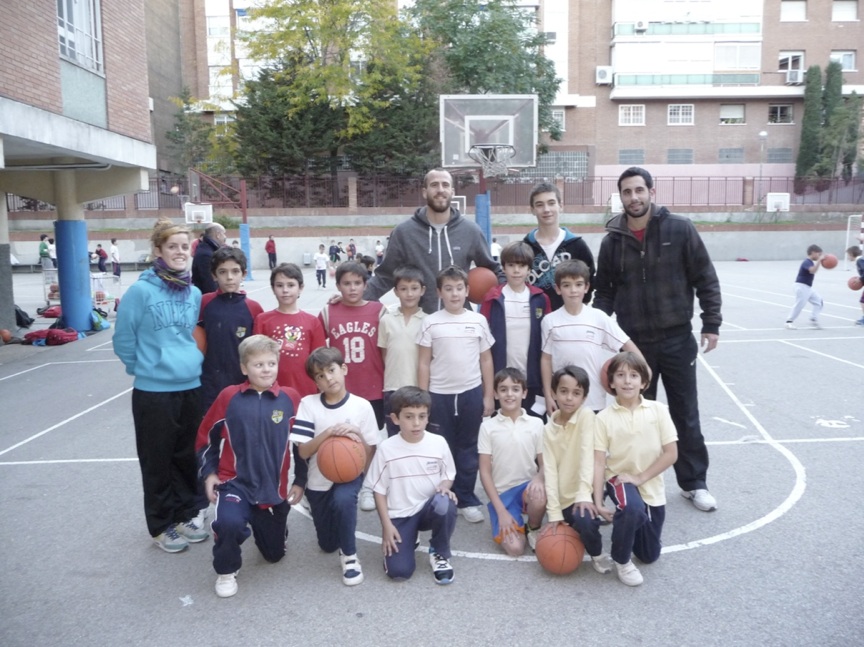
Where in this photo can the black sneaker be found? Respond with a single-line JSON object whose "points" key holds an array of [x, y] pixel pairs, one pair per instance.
{"points": [[441, 568]]}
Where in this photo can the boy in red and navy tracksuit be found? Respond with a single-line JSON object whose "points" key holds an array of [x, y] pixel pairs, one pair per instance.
{"points": [[244, 457]]}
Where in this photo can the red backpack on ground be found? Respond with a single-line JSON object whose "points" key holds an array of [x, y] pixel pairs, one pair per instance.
{"points": [[59, 336]]}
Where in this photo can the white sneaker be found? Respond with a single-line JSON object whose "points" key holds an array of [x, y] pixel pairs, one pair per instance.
{"points": [[815, 325], [442, 571], [702, 499], [790, 325], [367, 500], [226, 585], [629, 574], [473, 513], [602, 563], [200, 519], [352, 572], [531, 535]]}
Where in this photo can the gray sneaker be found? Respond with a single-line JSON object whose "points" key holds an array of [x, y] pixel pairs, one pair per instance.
{"points": [[170, 540], [191, 532]]}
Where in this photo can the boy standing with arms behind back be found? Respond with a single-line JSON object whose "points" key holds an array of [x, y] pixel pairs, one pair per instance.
{"points": [[455, 366]]}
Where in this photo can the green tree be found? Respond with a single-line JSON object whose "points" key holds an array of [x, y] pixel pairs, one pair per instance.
{"points": [[189, 143], [849, 153], [811, 125], [490, 46], [337, 54]]}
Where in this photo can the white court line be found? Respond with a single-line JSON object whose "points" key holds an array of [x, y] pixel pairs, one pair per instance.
{"points": [[774, 294], [793, 497], [25, 371], [782, 340], [80, 361], [64, 461], [63, 422], [816, 352]]}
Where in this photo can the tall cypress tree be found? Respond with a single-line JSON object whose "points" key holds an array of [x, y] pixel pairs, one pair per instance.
{"points": [[811, 124]]}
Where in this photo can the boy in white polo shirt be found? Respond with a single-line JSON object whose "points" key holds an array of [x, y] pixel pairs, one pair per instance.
{"points": [[511, 465], [455, 366], [578, 335], [411, 476]]}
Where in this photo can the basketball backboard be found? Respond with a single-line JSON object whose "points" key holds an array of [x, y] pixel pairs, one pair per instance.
{"points": [[197, 213], [488, 119]]}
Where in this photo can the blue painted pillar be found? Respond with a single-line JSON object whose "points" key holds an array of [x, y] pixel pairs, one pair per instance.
{"points": [[483, 213], [245, 246], [73, 272]]}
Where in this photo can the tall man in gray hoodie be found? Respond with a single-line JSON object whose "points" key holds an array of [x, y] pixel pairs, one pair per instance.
{"points": [[435, 237]]}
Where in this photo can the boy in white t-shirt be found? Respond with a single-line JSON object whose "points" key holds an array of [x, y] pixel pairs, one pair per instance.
{"points": [[397, 336], [411, 476], [578, 335], [511, 466], [333, 412], [321, 261], [455, 366]]}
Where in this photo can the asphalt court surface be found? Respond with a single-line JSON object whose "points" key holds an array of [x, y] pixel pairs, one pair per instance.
{"points": [[779, 563]]}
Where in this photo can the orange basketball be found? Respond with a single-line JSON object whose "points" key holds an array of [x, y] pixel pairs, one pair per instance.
{"points": [[200, 338], [480, 281], [341, 459], [5, 335], [604, 376], [829, 261], [855, 283], [559, 549]]}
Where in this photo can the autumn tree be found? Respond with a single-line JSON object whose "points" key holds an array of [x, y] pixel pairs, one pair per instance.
{"points": [[189, 143]]}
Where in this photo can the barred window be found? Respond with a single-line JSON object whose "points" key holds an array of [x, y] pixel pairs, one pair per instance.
{"points": [[79, 32]]}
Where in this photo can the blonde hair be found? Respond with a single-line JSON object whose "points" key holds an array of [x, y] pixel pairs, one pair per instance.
{"points": [[257, 345], [163, 230]]}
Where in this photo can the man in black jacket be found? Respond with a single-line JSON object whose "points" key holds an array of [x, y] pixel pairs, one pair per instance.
{"points": [[650, 266], [202, 278]]}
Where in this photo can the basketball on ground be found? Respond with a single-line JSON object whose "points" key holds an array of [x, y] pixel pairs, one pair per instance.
{"points": [[5, 335], [855, 283], [559, 549], [829, 261], [341, 459], [480, 281]]}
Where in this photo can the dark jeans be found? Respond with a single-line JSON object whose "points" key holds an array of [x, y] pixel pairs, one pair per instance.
{"points": [[674, 359], [439, 516], [272, 258], [334, 513], [165, 429], [457, 418], [231, 527], [321, 277]]}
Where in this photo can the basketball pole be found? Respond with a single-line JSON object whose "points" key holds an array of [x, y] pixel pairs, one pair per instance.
{"points": [[245, 238]]}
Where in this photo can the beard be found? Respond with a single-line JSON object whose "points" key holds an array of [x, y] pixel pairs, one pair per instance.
{"points": [[637, 211], [438, 203]]}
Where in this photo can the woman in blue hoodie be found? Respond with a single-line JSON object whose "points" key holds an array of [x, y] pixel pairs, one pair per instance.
{"points": [[153, 339]]}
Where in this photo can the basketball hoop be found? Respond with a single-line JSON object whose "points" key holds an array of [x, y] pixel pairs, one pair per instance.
{"points": [[198, 213], [492, 158]]}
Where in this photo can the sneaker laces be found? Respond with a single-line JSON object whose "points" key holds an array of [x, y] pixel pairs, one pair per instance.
{"points": [[441, 563], [171, 533]]}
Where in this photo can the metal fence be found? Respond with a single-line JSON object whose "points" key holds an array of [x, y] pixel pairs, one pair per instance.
{"points": [[317, 192]]}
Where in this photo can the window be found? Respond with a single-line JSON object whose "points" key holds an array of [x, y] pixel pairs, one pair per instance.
{"points": [[680, 114], [737, 56], [846, 59], [631, 156], [793, 10], [218, 26], [221, 121], [780, 113], [731, 156], [631, 115], [79, 30], [844, 10], [679, 156], [558, 118], [779, 156], [791, 61], [732, 113]]}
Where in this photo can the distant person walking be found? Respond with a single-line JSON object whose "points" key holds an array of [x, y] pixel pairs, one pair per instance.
{"points": [[44, 256], [52, 252], [270, 248], [115, 257], [101, 258]]}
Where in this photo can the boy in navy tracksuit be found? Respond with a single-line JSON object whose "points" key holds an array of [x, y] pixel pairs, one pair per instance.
{"points": [[244, 457], [226, 317], [514, 311]]}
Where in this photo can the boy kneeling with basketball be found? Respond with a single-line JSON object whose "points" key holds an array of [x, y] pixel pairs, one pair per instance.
{"points": [[333, 412], [410, 477], [245, 430]]}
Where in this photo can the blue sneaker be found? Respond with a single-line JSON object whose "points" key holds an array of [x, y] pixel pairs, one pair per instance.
{"points": [[441, 568]]}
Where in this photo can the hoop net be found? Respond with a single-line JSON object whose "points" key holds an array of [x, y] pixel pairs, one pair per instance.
{"points": [[492, 158]]}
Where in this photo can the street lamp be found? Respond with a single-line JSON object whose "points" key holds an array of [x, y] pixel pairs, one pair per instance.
{"points": [[763, 137]]}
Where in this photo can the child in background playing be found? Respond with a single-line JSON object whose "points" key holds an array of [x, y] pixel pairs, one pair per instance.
{"points": [[227, 317], [411, 475], [514, 311], [397, 336], [455, 366], [511, 465], [635, 441], [568, 458], [335, 412], [244, 454], [854, 254], [579, 335], [351, 325], [321, 267], [804, 292], [298, 332]]}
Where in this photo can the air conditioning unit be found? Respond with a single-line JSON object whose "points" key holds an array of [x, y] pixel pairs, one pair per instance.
{"points": [[777, 202], [603, 75], [794, 77], [640, 25]]}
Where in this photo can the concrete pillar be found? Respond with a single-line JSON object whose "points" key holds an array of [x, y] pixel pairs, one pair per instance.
{"points": [[73, 262], [7, 297]]}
